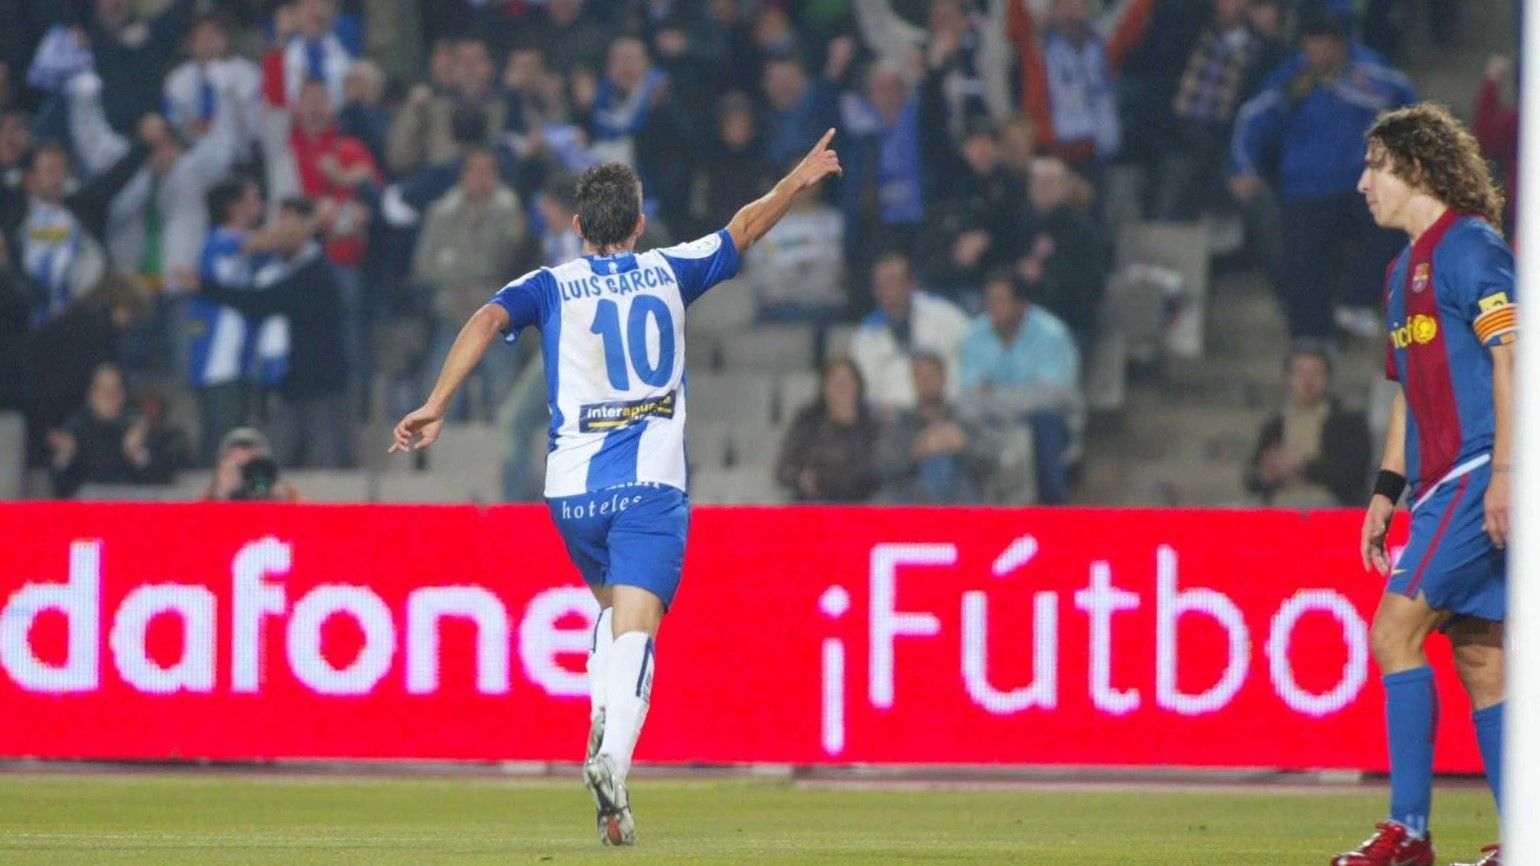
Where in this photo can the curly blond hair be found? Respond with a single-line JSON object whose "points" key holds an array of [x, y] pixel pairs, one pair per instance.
{"points": [[1432, 151]]}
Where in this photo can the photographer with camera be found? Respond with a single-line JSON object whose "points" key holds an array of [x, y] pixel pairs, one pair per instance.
{"points": [[245, 471]]}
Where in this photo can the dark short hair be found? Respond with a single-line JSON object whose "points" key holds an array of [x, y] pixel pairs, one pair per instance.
{"points": [[210, 18], [1308, 350], [44, 147], [298, 204], [468, 125], [609, 202], [222, 195], [1320, 21]]}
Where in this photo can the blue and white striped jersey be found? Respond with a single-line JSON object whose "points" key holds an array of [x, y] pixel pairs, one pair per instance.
{"points": [[612, 333]]}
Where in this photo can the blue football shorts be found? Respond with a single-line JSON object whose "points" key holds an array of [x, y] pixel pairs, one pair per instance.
{"points": [[1449, 558], [631, 535]]}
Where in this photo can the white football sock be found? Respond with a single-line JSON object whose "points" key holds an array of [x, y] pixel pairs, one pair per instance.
{"points": [[628, 688], [598, 659]]}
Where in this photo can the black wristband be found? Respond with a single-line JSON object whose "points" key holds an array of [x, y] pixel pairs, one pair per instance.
{"points": [[1390, 485]]}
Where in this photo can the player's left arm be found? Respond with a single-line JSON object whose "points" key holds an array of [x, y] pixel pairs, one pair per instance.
{"points": [[1497, 498], [756, 218], [427, 422], [1488, 300]]}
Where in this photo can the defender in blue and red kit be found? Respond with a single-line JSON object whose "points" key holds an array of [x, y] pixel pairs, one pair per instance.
{"points": [[1450, 308]]}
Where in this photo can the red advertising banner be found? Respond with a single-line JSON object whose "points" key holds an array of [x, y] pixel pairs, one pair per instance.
{"points": [[803, 635]]}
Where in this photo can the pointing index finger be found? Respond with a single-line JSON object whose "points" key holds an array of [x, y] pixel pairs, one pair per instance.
{"points": [[824, 142]]}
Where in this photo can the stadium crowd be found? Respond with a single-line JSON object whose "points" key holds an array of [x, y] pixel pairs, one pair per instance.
{"points": [[275, 207]]}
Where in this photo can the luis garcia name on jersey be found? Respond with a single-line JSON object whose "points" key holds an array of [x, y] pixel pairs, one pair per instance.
{"points": [[615, 284]]}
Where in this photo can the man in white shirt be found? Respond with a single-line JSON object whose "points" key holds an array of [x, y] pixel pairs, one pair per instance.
{"points": [[906, 320]]}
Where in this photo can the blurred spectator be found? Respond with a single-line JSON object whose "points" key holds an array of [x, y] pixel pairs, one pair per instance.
{"points": [[421, 134], [19, 300], [634, 119], [15, 144], [339, 172], [798, 111], [363, 115], [307, 46], [167, 445], [1223, 69], [1067, 85], [882, 192], [967, 59], [906, 321], [131, 56], [1496, 126], [537, 96], [1069, 257], [158, 221], [193, 89], [570, 39], [313, 422], [227, 351], [1314, 452], [982, 218], [245, 470], [69, 347], [927, 453], [797, 270], [734, 171], [53, 236], [104, 443], [689, 46], [469, 246], [1314, 109], [394, 38], [830, 450], [1019, 365], [557, 206]]}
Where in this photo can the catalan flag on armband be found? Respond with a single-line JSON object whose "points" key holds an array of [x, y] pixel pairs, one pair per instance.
{"points": [[1498, 320]]}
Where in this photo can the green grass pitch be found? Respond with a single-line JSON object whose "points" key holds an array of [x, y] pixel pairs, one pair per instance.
{"points": [[226, 819]]}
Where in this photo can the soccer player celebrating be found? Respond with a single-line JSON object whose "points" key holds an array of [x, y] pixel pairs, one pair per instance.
{"points": [[612, 331], [1450, 302]]}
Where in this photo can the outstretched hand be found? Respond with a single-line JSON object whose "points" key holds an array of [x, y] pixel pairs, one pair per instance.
{"points": [[423, 423], [819, 163]]}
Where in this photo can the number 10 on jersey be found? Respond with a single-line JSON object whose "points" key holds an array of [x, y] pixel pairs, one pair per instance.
{"points": [[619, 362]]}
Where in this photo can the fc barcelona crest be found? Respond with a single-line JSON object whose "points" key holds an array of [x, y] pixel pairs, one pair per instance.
{"points": [[1420, 277]]}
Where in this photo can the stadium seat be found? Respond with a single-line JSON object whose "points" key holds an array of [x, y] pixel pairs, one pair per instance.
{"points": [[727, 307], [1182, 247], [129, 493], [473, 447], [329, 485], [770, 347], [440, 487], [737, 486], [1123, 191], [706, 444], [1015, 481], [741, 397], [1106, 373], [13, 455]]}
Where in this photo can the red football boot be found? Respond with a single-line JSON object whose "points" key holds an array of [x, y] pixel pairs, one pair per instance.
{"points": [[1391, 845], [1491, 855]]}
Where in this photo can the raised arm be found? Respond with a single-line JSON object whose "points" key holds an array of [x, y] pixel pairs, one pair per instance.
{"points": [[756, 218]]}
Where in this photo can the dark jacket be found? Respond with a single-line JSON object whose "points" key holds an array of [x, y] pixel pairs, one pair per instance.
{"points": [[1075, 276], [1342, 465], [132, 62], [843, 458], [309, 298]]}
